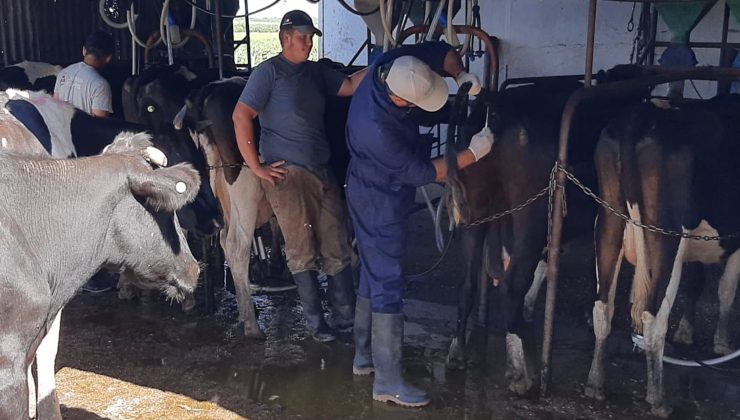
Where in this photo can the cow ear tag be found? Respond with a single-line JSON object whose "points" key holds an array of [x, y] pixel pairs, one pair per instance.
{"points": [[181, 187]]}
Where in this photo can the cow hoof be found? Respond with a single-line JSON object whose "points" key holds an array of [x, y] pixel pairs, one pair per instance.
{"points": [[722, 348], [520, 387], [684, 333], [455, 356], [188, 304], [594, 392], [528, 313], [254, 333], [662, 410]]}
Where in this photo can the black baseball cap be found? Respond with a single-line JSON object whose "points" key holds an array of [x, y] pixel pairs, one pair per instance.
{"points": [[300, 21]]}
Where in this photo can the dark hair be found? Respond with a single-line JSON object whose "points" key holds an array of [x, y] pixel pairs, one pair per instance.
{"points": [[100, 44], [288, 30]]}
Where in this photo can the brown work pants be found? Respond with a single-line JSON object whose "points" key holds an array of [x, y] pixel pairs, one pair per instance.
{"points": [[312, 218]]}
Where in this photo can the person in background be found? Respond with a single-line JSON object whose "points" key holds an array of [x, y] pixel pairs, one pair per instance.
{"points": [[81, 84], [388, 161], [288, 93]]}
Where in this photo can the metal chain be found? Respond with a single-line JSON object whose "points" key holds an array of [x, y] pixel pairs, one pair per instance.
{"points": [[496, 216], [226, 165], [627, 219]]}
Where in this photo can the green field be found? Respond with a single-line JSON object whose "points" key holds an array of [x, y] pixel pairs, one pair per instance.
{"points": [[263, 35]]}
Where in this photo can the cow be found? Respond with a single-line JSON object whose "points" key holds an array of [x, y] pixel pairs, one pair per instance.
{"points": [[207, 117], [114, 210], [675, 169], [29, 75], [526, 122], [152, 99], [65, 131]]}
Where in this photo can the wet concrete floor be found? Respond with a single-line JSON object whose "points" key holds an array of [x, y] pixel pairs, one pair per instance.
{"points": [[147, 359]]}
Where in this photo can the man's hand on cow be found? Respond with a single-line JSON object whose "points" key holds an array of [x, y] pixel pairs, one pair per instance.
{"points": [[271, 172], [469, 77], [481, 143]]}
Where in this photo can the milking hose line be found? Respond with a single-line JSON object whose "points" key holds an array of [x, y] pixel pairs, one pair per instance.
{"points": [[639, 341]]}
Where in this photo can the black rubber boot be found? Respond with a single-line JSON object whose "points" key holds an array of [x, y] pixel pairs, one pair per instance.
{"points": [[388, 384], [363, 363], [342, 296], [307, 285]]}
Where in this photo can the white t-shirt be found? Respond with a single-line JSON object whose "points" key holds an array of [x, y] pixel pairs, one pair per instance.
{"points": [[82, 86]]}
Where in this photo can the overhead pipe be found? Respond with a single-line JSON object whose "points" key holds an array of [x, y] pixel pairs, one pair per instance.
{"points": [[491, 77], [432, 28]]}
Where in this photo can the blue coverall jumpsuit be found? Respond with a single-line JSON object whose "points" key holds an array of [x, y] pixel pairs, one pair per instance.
{"points": [[388, 162]]}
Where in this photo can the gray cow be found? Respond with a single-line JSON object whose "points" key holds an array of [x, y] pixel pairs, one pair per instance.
{"points": [[115, 210]]}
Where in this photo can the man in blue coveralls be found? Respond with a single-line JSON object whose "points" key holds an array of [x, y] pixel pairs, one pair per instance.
{"points": [[388, 162]]}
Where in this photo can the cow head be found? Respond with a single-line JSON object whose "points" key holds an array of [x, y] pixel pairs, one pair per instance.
{"points": [[144, 237], [157, 102]]}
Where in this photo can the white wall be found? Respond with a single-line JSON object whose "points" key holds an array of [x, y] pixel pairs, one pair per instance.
{"points": [[539, 37]]}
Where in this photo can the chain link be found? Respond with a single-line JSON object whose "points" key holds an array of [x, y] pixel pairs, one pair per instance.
{"points": [[226, 165]]}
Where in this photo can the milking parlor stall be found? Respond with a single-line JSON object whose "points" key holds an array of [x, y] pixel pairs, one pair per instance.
{"points": [[607, 208]]}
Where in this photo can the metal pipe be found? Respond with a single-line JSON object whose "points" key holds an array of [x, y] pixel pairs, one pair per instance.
{"points": [[432, 28], [590, 42], [491, 77], [608, 90], [219, 52], [553, 259]]}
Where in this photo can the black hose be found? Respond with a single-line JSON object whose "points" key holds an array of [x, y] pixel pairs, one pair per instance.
{"points": [[355, 11]]}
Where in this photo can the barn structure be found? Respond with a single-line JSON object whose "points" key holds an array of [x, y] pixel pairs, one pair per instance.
{"points": [[146, 359]]}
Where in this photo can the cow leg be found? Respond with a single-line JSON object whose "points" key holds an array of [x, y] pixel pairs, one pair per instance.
{"points": [[14, 391], [531, 297], [655, 327], [48, 403], [726, 291], [472, 241], [527, 251], [685, 332], [236, 252], [610, 250]]}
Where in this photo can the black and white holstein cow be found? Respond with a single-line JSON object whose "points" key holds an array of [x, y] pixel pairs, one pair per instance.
{"points": [[29, 75], [676, 169], [115, 210], [207, 117], [526, 122], [65, 131], [153, 99]]}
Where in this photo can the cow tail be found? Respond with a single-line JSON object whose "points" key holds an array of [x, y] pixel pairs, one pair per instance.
{"points": [[454, 191], [631, 177]]}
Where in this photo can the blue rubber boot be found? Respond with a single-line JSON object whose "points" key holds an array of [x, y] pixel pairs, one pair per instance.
{"points": [[389, 384], [341, 290], [307, 285], [362, 365]]}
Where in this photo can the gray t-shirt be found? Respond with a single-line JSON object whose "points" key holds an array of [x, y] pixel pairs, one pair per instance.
{"points": [[82, 86], [290, 100]]}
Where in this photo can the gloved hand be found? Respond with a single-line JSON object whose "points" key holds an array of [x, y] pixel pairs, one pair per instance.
{"points": [[469, 77], [481, 143]]}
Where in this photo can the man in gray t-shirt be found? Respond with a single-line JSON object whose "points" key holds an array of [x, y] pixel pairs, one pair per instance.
{"points": [[288, 93], [81, 84]]}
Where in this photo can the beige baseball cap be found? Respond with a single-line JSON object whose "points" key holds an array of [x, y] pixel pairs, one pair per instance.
{"points": [[411, 79]]}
